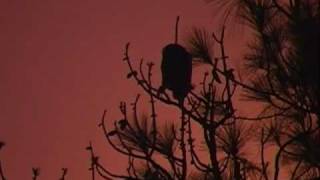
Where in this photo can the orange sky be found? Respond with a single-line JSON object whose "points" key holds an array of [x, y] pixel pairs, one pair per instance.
{"points": [[61, 67]]}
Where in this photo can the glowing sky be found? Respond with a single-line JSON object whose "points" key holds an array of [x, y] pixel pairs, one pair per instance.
{"points": [[60, 67]]}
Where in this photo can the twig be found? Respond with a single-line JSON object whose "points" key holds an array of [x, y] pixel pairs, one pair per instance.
{"points": [[64, 173], [35, 173], [1, 173], [176, 31]]}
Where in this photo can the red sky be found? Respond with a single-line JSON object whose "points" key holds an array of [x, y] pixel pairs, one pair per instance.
{"points": [[60, 67]]}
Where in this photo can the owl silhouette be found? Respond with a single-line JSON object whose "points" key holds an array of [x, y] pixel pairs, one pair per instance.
{"points": [[176, 68]]}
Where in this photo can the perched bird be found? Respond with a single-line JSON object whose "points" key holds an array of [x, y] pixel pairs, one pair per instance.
{"points": [[176, 68]]}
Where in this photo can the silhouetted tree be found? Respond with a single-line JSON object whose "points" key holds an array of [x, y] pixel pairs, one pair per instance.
{"points": [[170, 152], [284, 59]]}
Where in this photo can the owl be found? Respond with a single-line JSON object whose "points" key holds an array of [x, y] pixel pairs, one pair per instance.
{"points": [[176, 68]]}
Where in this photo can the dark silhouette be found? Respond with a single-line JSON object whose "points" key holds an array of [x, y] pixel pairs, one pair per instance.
{"points": [[176, 68], [64, 173], [283, 62], [35, 173]]}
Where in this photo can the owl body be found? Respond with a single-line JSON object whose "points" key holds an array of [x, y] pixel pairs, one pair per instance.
{"points": [[176, 70]]}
